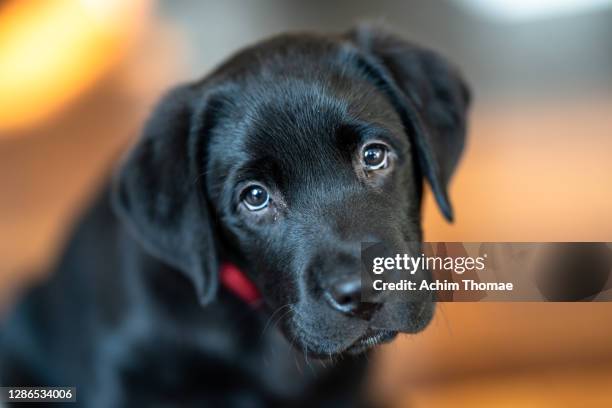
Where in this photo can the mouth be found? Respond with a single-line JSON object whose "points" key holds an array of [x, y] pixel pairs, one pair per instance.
{"points": [[369, 339]]}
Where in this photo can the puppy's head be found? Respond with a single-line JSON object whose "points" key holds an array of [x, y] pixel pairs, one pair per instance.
{"points": [[284, 160]]}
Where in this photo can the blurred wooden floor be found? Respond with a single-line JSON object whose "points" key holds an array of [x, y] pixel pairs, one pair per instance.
{"points": [[534, 170], [588, 387]]}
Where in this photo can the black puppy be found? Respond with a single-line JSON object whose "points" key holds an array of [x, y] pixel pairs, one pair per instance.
{"points": [[281, 162]]}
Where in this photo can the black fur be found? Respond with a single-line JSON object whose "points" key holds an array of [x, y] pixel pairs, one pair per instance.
{"points": [[120, 319]]}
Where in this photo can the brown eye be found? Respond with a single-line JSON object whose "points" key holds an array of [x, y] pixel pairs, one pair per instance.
{"points": [[375, 156], [255, 198]]}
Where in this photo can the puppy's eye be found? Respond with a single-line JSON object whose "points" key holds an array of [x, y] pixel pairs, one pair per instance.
{"points": [[255, 198], [375, 156]]}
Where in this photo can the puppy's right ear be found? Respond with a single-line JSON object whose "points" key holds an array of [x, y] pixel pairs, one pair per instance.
{"points": [[159, 190]]}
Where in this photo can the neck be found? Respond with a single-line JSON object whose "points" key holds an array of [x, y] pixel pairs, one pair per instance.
{"points": [[237, 283]]}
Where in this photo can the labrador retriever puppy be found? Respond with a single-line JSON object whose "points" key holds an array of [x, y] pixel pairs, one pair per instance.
{"points": [[275, 167]]}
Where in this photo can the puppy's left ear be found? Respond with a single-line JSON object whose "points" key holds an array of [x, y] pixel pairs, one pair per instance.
{"points": [[429, 94], [159, 192]]}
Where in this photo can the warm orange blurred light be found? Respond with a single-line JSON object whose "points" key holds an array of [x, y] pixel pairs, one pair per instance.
{"points": [[51, 51]]}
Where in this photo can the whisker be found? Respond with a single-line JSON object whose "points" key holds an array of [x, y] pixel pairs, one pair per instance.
{"points": [[297, 365], [273, 325], [270, 319], [446, 321]]}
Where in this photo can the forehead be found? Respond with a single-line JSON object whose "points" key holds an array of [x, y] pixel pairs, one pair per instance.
{"points": [[295, 118], [284, 128]]}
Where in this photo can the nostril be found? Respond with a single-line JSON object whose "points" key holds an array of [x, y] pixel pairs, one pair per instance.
{"points": [[347, 292], [345, 296], [345, 299]]}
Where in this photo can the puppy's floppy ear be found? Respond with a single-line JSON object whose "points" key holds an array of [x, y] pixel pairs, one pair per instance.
{"points": [[159, 192], [429, 94]]}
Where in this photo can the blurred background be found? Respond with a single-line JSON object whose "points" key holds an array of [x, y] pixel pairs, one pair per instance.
{"points": [[78, 77]]}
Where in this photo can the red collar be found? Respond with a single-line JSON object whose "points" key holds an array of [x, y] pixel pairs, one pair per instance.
{"points": [[234, 280]]}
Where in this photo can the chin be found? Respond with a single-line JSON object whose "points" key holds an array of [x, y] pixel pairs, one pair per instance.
{"points": [[370, 339], [349, 344]]}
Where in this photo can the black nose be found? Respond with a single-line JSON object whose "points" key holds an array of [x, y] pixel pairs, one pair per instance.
{"points": [[345, 296]]}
